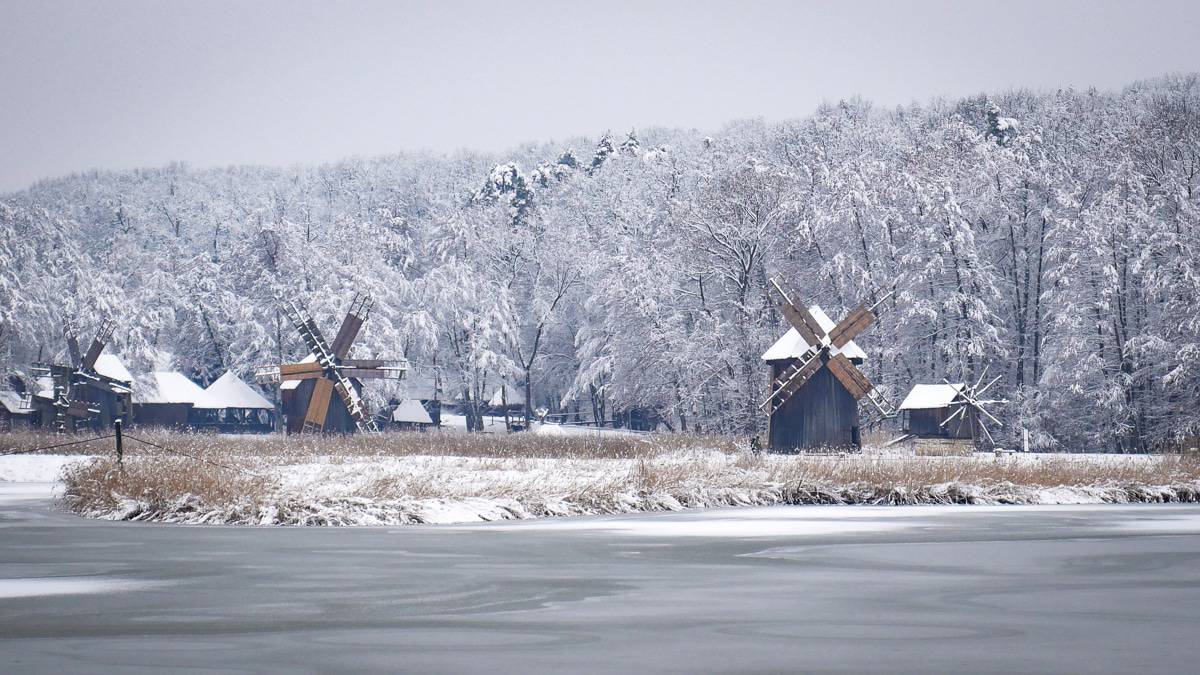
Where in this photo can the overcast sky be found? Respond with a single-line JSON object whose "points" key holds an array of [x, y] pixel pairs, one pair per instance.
{"points": [[126, 84]]}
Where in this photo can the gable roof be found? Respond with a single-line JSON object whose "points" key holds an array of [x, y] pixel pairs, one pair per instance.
{"points": [[110, 366], [792, 346], [930, 396], [169, 387], [229, 391], [411, 410]]}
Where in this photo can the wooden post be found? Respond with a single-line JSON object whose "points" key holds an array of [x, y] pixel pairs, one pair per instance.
{"points": [[120, 447]]}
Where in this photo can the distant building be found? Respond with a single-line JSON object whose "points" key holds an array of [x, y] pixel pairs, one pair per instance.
{"points": [[166, 400], [229, 405], [411, 414], [927, 406], [15, 411]]}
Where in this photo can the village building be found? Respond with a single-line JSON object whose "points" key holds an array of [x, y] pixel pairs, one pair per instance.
{"points": [[229, 405], [15, 411], [932, 411], [410, 414], [166, 400]]}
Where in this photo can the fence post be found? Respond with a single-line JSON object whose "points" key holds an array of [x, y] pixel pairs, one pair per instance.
{"points": [[120, 448]]}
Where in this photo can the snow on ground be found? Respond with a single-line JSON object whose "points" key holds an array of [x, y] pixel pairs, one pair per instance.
{"points": [[34, 468]]}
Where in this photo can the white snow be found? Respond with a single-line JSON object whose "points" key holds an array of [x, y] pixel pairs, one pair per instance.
{"points": [[792, 346], [926, 396], [169, 387], [110, 366], [411, 410], [35, 468], [229, 391]]}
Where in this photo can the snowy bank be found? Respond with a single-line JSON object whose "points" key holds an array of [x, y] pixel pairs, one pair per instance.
{"points": [[447, 489]]}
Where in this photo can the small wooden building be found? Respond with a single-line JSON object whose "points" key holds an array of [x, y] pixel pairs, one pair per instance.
{"points": [[410, 414], [166, 400], [231, 406], [15, 411], [927, 406], [822, 414]]}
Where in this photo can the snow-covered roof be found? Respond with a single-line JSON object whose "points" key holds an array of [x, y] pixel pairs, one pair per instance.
{"points": [[411, 410], [507, 393], [111, 367], [13, 402], [229, 391], [930, 396], [169, 387], [45, 387], [792, 346]]}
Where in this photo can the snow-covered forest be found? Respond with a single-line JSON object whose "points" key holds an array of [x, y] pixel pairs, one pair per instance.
{"points": [[1054, 237]]}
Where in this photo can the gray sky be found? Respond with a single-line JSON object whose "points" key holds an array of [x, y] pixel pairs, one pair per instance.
{"points": [[126, 84]]}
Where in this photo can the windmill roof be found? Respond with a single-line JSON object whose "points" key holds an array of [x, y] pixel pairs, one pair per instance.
{"points": [[110, 366], [229, 391], [170, 387], [411, 410], [930, 396], [792, 346]]}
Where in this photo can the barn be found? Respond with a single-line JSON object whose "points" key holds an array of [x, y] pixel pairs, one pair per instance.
{"points": [[411, 414], [231, 406], [166, 400], [927, 406], [823, 413], [15, 412]]}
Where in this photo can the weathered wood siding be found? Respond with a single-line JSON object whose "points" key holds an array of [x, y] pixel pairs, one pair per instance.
{"points": [[296, 403], [821, 415]]}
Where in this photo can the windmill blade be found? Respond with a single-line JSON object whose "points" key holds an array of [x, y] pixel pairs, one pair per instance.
{"points": [[373, 368], [851, 378], [979, 392], [318, 406], [310, 332], [351, 325], [950, 418], [103, 335], [851, 326], [799, 317], [300, 371], [790, 380], [72, 344], [354, 405]]}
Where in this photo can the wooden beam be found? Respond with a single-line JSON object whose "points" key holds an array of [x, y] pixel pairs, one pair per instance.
{"points": [[851, 378]]}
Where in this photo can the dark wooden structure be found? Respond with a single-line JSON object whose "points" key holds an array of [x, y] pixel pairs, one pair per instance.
{"points": [[323, 392], [926, 409], [815, 382], [15, 411], [84, 394]]}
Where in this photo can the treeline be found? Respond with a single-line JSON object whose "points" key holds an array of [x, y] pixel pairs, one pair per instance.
{"points": [[1052, 237]]}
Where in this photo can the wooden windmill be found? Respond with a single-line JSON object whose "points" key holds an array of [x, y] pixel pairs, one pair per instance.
{"points": [[324, 391], [82, 396], [971, 414], [815, 382]]}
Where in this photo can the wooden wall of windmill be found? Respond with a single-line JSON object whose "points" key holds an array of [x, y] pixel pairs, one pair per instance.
{"points": [[323, 392], [89, 393], [815, 383]]}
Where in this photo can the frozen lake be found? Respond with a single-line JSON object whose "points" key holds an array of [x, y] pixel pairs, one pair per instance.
{"points": [[845, 589]]}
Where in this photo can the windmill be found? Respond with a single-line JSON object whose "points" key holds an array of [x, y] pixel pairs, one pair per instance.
{"points": [[82, 393], [815, 383], [970, 411], [309, 387]]}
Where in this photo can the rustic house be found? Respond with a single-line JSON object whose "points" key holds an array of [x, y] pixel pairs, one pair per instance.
{"points": [[15, 411], [166, 399], [926, 409], [229, 405], [411, 414]]}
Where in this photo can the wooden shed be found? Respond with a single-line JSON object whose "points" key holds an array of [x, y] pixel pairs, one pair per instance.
{"points": [[411, 414], [823, 413], [166, 400], [928, 405], [231, 406], [15, 411]]}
